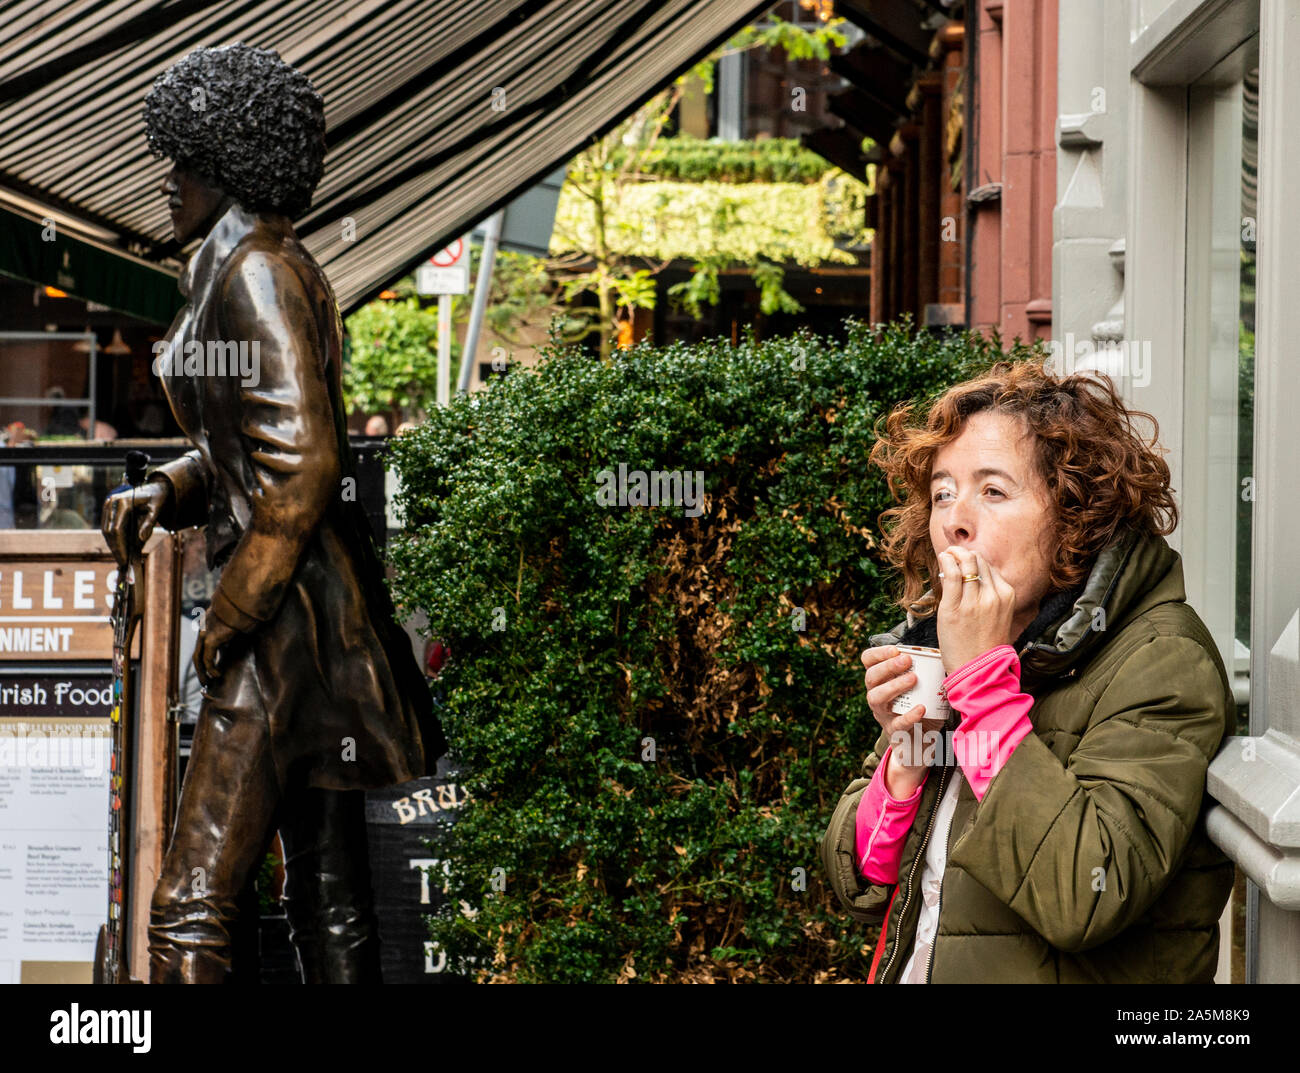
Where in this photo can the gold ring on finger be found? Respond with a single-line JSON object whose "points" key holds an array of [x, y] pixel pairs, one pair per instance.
{"points": [[970, 577]]}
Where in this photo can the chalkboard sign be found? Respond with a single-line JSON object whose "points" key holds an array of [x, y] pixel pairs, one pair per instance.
{"points": [[406, 874]]}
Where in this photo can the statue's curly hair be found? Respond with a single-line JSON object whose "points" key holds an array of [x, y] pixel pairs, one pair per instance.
{"points": [[1101, 476], [243, 119]]}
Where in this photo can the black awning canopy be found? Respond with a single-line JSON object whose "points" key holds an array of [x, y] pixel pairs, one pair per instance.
{"points": [[418, 154]]}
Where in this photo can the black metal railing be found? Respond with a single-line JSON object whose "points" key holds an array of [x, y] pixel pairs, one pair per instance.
{"points": [[64, 485]]}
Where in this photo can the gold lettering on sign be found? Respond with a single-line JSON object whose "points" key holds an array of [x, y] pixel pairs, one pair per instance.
{"points": [[424, 803]]}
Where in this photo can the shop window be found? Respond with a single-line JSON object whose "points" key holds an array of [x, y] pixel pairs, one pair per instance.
{"points": [[1219, 356]]}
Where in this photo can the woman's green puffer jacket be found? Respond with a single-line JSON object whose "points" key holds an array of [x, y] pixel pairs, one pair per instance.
{"points": [[1088, 859]]}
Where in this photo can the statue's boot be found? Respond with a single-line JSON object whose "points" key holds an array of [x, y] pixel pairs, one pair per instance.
{"points": [[189, 941], [327, 893]]}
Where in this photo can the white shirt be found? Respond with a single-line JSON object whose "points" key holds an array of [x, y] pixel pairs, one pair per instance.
{"points": [[936, 857]]}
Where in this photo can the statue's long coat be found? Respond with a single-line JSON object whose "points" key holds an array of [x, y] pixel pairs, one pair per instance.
{"points": [[320, 656]]}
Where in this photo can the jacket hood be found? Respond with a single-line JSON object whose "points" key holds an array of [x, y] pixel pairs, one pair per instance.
{"points": [[1132, 574]]}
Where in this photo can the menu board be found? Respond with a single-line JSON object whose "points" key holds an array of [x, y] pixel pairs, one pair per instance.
{"points": [[54, 759], [56, 658]]}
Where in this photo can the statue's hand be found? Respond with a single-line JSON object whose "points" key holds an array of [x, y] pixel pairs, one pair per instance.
{"points": [[140, 507], [207, 650]]}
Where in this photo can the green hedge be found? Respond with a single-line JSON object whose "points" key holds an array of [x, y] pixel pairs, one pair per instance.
{"points": [[577, 631], [771, 160]]}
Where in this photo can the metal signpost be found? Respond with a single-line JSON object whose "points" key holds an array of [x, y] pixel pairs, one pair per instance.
{"points": [[445, 274]]}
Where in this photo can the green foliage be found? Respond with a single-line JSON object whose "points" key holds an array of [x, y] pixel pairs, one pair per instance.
{"points": [[844, 206], [577, 632], [747, 222], [393, 364], [521, 289], [636, 290], [693, 160], [797, 42], [719, 226], [602, 184], [268, 903], [773, 298], [703, 286]]}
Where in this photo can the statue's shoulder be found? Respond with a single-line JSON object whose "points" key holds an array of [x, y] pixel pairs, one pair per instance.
{"points": [[268, 267], [263, 259]]}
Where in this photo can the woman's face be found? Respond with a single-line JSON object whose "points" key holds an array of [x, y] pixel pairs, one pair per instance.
{"points": [[987, 495], [193, 202]]}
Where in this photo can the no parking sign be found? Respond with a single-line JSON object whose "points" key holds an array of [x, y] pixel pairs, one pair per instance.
{"points": [[447, 271]]}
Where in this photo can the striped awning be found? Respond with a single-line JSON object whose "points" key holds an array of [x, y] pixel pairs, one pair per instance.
{"points": [[438, 112]]}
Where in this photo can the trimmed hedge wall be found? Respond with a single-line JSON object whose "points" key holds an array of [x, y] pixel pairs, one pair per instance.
{"points": [[657, 711], [689, 159]]}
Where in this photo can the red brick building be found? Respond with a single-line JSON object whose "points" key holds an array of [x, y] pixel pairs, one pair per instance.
{"points": [[960, 101]]}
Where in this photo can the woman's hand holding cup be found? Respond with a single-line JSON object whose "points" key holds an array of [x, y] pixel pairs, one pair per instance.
{"points": [[888, 677]]}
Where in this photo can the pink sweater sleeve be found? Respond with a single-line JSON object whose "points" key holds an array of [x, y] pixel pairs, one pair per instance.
{"points": [[995, 714], [995, 719], [882, 825]]}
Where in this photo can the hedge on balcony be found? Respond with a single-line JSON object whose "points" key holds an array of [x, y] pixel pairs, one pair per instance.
{"points": [[658, 706], [693, 160]]}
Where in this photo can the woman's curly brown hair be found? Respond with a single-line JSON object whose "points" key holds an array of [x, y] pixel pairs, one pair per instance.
{"points": [[1101, 475]]}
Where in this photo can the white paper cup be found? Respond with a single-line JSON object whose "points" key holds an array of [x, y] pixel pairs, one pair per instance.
{"points": [[927, 665]]}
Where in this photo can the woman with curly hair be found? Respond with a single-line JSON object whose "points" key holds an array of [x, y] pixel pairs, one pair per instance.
{"points": [[311, 692], [1054, 832]]}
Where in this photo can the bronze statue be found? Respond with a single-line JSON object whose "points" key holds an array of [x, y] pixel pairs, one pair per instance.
{"points": [[311, 692]]}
